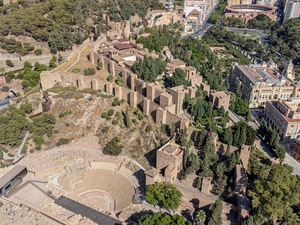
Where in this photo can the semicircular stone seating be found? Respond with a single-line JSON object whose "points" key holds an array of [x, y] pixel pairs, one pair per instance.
{"points": [[116, 185]]}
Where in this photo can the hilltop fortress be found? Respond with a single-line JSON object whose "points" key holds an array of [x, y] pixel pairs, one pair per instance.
{"points": [[162, 105]]}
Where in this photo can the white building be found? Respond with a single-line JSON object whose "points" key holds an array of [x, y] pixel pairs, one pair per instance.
{"points": [[292, 9]]}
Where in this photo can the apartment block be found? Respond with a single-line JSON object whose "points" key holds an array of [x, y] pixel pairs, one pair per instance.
{"points": [[284, 117], [291, 9]]}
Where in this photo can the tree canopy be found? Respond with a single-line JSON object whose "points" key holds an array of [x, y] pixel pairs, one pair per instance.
{"points": [[165, 195], [113, 147], [162, 219], [275, 196], [149, 68]]}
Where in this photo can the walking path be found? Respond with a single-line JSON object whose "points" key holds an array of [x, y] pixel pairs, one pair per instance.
{"points": [[18, 155]]}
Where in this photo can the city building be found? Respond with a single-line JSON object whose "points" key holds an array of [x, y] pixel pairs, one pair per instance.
{"points": [[291, 9], [199, 5], [284, 117], [268, 2], [219, 98], [296, 150], [194, 16], [239, 2], [259, 83], [247, 12], [169, 4]]}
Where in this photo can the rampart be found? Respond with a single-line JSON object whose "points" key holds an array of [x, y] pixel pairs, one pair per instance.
{"points": [[162, 106]]}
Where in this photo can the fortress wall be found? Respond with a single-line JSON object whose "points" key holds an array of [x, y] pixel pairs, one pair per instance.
{"points": [[48, 80], [140, 86]]}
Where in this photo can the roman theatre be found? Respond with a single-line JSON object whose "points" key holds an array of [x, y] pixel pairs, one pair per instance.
{"points": [[84, 175]]}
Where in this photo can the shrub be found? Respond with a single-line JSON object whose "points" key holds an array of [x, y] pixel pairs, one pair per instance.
{"points": [[62, 141], [110, 78], [5, 88], [148, 128], [111, 112], [141, 116], [3, 149], [104, 115], [38, 51], [89, 71], [113, 147], [1, 155], [56, 131], [37, 147], [116, 102], [31, 150], [10, 154], [108, 118], [76, 70], [9, 63], [105, 129], [9, 76], [67, 124], [114, 122]]}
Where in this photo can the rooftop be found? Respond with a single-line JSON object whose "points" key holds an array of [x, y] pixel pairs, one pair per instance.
{"points": [[171, 149], [178, 62], [11, 174], [123, 46], [274, 104]]}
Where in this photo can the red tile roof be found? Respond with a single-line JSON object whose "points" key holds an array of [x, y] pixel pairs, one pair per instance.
{"points": [[123, 46]]}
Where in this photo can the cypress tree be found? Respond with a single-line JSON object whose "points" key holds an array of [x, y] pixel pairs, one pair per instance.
{"points": [[127, 119], [216, 218]]}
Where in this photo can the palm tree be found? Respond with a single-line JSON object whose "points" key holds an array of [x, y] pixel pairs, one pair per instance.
{"points": [[261, 171], [200, 217]]}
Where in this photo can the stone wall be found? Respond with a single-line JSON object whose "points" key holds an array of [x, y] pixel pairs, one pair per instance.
{"points": [[154, 101]]}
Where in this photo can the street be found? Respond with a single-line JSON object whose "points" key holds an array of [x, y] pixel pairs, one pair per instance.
{"points": [[204, 26], [289, 160], [262, 37]]}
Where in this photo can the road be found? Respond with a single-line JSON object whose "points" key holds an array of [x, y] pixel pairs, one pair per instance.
{"points": [[204, 26], [262, 37], [264, 147]]}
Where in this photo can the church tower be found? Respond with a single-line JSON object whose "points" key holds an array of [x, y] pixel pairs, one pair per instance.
{"points": [[289, 72]]}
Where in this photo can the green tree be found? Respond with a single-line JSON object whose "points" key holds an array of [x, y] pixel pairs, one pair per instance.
{"points": [[216, 217], [277, 194], [9, 63], [248, 221], [113, 147], [160, 218], [100, 65], [38, 140], [9, 76], [179, 78], [261, 171], [27, 65], [38, 52], [164, 195], [280, 151], [26, 107]]}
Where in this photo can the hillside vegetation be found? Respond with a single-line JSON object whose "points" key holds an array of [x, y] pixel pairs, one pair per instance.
{"points": [[63, 23]]}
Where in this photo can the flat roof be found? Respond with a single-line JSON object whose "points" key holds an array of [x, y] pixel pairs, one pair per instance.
{"points": [[83, 210], [12, 173], [123, 46], [171, 149]]}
